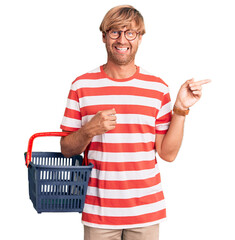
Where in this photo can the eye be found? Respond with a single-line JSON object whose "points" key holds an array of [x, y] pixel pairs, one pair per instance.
{"points": [[130, 33], [115, 32]]}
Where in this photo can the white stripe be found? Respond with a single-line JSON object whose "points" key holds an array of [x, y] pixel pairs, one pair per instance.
{"points": [[123, 194], [162, 127], [128, 119], [105, 82], [96, 70], [123, 212], [145, 72], [124, 138], [120, 99], [123, 226], [72, 104], [124, 175], [122, 156], [164, 110], [71, 122]]}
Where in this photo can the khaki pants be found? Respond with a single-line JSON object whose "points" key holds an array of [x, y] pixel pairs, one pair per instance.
{"points": [[142, 233]]}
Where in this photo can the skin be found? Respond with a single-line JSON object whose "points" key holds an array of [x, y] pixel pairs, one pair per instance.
{"points": [[121, 64]]}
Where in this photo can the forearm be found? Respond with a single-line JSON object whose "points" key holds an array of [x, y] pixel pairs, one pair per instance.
{"points": [[76, 142], [168, 145], [171, 142]]}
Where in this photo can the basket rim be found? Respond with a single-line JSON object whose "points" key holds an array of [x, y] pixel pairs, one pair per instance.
{"points": [[90, 166], [61, 167]]}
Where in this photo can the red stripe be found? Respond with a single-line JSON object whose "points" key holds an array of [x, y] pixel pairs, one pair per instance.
{"points": [[164, 119], [73, 95], [133, 128], [151, 78], [127, 184], [117, 90], [100, 75], [120, 109], [145, 218], [68, 129], [122, 147], [123, 166], [89, 76], [70, 113], [166, 99], [124, 203], [161, 131]]}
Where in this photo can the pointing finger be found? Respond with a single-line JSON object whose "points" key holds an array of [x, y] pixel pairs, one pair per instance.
{"points": [[205, 81]]}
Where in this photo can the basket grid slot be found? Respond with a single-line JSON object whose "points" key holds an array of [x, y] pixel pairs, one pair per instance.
{"points": [[63, 175], [60, 190], [60, 203], [52, 161]]}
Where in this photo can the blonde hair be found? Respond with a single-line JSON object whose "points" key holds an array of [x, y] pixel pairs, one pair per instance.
{"points": [[123, 16]]}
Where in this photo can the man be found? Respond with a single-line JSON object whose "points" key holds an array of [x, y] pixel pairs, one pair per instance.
{"points": [[121, 115]]}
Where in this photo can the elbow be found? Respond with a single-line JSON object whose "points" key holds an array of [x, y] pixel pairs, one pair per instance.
{"points": [[66, 154], [168, 158], [67, 150], [64, 148]]}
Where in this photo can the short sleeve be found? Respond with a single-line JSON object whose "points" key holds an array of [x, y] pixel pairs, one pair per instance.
{"points": [[72, 116], [164, 115]]}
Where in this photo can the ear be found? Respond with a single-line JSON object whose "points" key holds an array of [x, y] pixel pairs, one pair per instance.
{"points": [[104, 37]]}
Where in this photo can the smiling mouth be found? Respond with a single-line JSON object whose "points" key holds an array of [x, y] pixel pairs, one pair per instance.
{"points": [[122, 49]]}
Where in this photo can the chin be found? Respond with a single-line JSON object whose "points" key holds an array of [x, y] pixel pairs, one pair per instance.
{"points": [[122, 62]]}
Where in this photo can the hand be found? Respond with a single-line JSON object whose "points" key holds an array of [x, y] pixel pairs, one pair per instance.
{"points": [[102, 122], [189, 93]]}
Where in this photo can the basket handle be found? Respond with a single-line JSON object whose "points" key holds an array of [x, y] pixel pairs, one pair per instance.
{"points": [[42, 134]]}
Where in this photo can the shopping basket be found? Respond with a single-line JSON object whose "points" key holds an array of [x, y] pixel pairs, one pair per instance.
{"points": [[56, 183]]}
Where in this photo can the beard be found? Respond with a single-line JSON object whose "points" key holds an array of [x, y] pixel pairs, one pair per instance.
{"points": [[121, 59]]}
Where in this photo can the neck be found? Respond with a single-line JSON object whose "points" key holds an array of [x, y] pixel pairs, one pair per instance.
{"points": [[119, 71]]}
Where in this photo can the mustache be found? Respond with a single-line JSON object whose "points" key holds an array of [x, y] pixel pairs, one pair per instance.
{"points": [[121, 45]]}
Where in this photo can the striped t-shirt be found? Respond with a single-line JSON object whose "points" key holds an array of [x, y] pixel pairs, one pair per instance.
{"points": [[125, 189]]}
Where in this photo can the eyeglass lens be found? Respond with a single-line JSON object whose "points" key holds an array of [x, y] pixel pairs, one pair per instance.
{"points": [[129, 34]]}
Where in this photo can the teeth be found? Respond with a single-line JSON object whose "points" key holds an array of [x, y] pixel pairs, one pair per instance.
{"points": [[121, 49]]}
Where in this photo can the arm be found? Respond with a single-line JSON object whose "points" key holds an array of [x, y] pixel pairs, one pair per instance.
{"points": [[168, 145], [76, 142]]}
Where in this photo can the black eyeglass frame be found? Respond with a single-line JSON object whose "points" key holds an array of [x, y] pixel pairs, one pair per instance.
{"points": [[120, 32]]}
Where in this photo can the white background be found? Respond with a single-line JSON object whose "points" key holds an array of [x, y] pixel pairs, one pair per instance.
{"points": [[46, 44]]}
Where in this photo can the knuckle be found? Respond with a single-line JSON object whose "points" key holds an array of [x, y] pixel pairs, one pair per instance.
{"points": [[102, 117]]}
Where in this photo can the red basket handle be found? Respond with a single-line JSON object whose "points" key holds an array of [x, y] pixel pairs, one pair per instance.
{"points": [[42, 134]]}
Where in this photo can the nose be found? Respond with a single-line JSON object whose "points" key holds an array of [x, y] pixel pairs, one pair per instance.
{"points": [[122, 38]]}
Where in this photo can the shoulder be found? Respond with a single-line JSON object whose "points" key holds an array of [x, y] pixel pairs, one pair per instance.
{"points": [[153, 81], [145, 75], [93, 74]]}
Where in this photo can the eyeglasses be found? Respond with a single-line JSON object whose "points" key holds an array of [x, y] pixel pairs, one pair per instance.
{"points": [[130, 35]]}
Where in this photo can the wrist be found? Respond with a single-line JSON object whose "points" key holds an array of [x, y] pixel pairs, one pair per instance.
{"points": [[181, 106], [87, 132], [182, 111]]}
